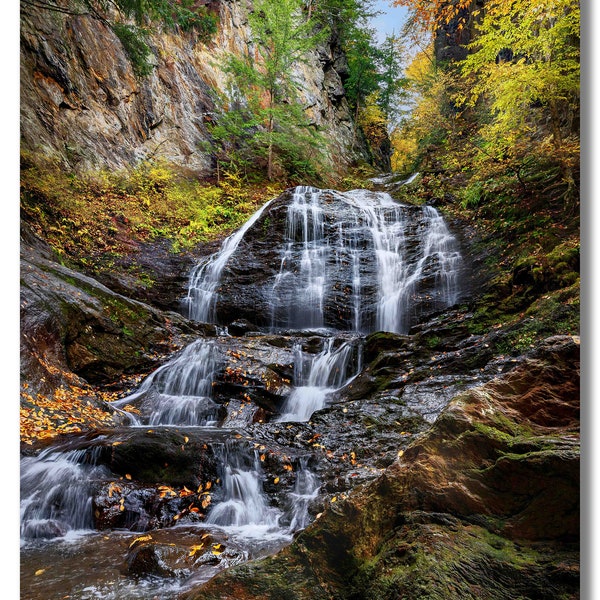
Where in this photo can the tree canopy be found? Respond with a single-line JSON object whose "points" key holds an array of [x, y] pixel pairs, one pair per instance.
{"points": [[513, 102]]}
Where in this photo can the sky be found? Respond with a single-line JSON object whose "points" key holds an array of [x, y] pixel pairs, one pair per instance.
{"points": [[391, 19]]}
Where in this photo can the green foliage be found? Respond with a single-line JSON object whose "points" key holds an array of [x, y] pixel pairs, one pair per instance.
{"points": [[525, 55], [171, 13], [357, 177], [506, 118], [344, 16], [262, 124], [363, 54], [134, 40], [392, 82], [92, 218]]}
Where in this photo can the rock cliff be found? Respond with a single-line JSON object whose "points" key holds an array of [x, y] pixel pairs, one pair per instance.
{"points": [[82, 102]]}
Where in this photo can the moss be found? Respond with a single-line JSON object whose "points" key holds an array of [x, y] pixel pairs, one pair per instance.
{"points": [[428, 562], [93, 219]]}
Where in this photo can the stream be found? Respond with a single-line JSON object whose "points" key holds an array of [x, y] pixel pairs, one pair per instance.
{"points": [[206, 471]]}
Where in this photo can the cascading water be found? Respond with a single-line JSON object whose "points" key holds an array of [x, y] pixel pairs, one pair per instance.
{"points": [[372, 262], [351, 261], [305, 493], [244, 511], [179, 392], [204, 280], [317, 376], [441, 245], [299, 287], [56, 493]]}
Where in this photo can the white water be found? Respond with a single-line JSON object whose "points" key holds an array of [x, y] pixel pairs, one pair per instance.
{"points": [[204, 280], [315, 377], [373, 242], [303, 275], [384, 220], [56, 493], [179, 392], [306, 491], [244, 511], [57, 487], [441, 245], [398, 275]]}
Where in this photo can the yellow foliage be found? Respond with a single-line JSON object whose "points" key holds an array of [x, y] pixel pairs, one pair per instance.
{"points": [[69, 411]]}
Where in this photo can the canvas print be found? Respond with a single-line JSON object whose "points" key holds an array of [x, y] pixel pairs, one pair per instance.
{"points": [[300, 299]]}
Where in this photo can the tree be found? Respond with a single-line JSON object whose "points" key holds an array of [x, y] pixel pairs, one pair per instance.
{"points": [[392, 83], [430, 15], [363, 72], [525, 64], [344, 17], [281, 38]]}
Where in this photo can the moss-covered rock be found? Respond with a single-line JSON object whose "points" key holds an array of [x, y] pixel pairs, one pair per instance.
{"points": [[72, 323]]}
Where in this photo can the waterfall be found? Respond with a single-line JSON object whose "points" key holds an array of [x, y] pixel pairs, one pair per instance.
{"points": [[56, 492], [386, 226], [442, 245], [305, 492], [179, 392], [315, 377], [372, 263], [244, 510], [355, 261], [304, 280], [205, 278], [352, 262]]}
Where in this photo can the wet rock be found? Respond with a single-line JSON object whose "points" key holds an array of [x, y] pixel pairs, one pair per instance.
{"points": [[43, 530], [72, 323], [263, 283], [240, 327], [166, 273], [164, 456], [145, 559], [487, 499]]}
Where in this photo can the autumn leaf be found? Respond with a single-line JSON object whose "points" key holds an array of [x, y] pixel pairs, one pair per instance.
{"points": [[143, 538], [195, 549], [40, 571]]}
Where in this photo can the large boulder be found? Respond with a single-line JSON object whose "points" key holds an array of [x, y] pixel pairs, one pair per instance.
{"points": [[75, 329]]}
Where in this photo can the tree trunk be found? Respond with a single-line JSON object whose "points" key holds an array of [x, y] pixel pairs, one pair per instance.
{"points": [[270, 152]]}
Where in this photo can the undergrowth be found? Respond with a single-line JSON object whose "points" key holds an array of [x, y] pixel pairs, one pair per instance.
{"points": [[88, 217]]}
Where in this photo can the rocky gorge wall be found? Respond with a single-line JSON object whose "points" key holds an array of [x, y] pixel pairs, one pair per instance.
{"points": [[82, 102]]}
